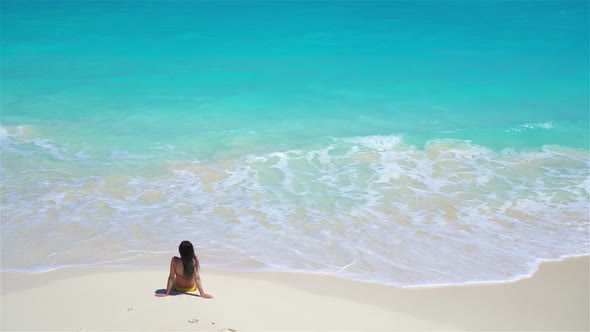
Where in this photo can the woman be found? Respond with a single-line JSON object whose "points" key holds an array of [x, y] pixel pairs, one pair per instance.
{"points": [[184, 272]]}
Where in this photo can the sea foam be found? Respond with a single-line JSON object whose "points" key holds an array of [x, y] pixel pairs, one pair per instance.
{"points": [[371, 208]]}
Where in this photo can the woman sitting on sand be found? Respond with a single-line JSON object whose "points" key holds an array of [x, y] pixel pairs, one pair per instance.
{"points": [[184, 272]]}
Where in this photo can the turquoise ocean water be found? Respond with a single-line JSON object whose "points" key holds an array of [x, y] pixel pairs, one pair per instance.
{"points": [[399, 142]]}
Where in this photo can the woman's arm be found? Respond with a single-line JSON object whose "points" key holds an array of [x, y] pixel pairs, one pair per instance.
{"points": [[170, 280], [200, 286]]}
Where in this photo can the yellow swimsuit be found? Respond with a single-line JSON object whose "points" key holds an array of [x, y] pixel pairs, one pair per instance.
{"points": [[185, 289]]}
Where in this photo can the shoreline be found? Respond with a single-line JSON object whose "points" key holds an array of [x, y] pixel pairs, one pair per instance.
{"points": [[219, 269], [554, 298]]}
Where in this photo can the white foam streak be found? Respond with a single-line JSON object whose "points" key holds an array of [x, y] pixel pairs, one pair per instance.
{"points": [[377, 142], [531, 126]]}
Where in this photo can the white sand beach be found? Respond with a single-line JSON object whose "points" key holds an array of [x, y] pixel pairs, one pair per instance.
{"points": [[555, 298]]}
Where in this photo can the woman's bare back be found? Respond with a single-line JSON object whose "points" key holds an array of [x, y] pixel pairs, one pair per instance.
{"points": [[180, 280]]}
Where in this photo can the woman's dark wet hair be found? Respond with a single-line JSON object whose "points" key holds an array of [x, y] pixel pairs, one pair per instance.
{"points": [[189, 259]]}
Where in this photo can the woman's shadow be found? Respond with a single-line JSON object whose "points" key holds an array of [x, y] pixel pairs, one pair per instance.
{"points": [[173, 292]]}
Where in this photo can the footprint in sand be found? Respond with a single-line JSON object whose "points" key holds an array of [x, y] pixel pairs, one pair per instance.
{"points": [[130, 309], [193, 321]]}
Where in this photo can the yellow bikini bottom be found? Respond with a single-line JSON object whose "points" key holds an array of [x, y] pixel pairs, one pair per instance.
{"points": [[185, 289]]}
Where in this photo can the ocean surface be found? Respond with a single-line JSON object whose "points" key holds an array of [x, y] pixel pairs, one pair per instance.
{"points": [[399, 142]]}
